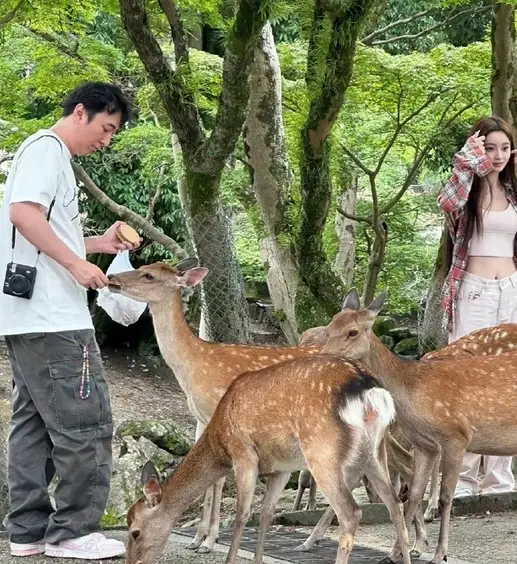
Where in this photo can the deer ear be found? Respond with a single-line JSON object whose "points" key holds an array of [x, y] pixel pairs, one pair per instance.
{"points": [[193, 276], [186, 264], [352, 300], [378, 303], [151, 482]]}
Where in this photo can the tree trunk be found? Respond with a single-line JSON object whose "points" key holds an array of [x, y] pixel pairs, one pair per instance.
{"points": [[267, 154], [327, 83], [432, 333], [503, 61], [346, 232], [375, 262]]}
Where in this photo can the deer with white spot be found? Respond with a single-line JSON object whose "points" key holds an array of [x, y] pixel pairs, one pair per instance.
{"points": [[488, 341], [203, 369], [323, 412], [446, 406]]}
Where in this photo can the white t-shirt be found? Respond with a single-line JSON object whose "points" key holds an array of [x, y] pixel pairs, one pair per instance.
{"points": [[41, 170]]}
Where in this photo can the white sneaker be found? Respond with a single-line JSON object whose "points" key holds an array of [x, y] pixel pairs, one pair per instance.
{"points": [[89, 547], [28, 548]]}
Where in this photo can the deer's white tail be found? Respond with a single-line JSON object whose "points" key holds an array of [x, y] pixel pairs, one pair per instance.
{"points": [[372, 411]]}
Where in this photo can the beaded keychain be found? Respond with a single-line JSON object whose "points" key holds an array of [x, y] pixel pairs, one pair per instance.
{"points": [[84, 391]]}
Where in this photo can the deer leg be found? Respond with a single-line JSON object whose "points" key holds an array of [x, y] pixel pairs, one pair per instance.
{"points": [[319, 530], [332, 484], [301, 488], [452, 455], [432, 512], [275, 485], [204, 524], [214, 518], [379, 476], [311, 502], [422, 465], [246, 477]]}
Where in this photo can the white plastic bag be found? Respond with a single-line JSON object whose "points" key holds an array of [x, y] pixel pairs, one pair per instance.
{"points": [[120, 308]]}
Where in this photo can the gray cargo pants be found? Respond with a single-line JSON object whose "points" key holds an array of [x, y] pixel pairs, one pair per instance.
{"points": [[54, 430]]}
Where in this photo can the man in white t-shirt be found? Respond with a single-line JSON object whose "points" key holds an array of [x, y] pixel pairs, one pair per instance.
{"points": [[61, 422]]}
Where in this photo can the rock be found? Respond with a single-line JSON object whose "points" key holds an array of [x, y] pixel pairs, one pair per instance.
{"points": [[400, 333], [407, 347], [164, 434], [388, 340], [126, 487], [383, 325]]}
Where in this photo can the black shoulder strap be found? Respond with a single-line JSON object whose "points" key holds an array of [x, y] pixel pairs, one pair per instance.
{"points": [[13, 241]]}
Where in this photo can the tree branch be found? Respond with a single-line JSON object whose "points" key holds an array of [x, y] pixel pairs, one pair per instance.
{"points": [[369, 38], [177, 98], [250, 19], [447, 20], [11, 15], [59, 45], [357, 218], [356, 160], [127, 214], [177, 31], [154, 201]]}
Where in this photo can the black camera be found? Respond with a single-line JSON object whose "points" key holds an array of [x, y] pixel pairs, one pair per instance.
{"points": [[19, 280]]}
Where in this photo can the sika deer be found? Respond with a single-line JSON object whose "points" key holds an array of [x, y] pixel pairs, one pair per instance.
{"points": [[446, 406], [322, 412], [203, 369]]}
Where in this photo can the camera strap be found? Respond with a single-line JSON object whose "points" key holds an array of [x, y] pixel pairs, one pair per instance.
{"points": [[13, 240]]}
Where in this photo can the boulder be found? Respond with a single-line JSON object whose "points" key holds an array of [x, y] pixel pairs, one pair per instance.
{"points": [[407, 347], [162, 433], [383, 324]]}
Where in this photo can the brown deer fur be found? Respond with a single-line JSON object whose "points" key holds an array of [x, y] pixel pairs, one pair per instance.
{"points": [[322, 412], [445, 405], [203, 369]]}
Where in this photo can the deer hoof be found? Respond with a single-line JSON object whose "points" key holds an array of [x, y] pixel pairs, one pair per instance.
{"points": [[194, 545], [203, 549], [387, 560]]}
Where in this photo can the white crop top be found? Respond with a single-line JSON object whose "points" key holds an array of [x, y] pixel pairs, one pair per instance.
{"points": [[497, 240]]}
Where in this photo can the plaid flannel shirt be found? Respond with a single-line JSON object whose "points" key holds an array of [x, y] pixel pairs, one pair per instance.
{"points": [[469, 161]]}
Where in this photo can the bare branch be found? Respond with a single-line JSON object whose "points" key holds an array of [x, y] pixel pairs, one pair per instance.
{"points": [[356, 160], [177, 30], [369, 38], [127, 214], [154, 201], [11, 15], [6, 157], [357, 218], [447, 20]]}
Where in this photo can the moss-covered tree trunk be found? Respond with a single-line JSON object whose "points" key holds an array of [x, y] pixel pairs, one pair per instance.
{"points": [[346, 229], [327, 81], [204, 158]]}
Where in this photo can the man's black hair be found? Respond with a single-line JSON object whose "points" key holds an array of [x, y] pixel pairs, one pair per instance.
{"points": [[98, 97]]}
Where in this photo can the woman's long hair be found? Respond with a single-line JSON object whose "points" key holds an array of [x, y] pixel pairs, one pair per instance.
{"points": [[485, 126]]}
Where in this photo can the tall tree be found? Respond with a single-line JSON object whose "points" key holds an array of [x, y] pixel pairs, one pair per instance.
{"points": [[204, 157]]}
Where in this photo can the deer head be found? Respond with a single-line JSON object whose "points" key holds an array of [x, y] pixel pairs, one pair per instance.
{"points": [[148, 521], [154, 283], [350, 330]]}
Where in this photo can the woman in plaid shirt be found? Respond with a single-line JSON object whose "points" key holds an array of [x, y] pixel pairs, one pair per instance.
{"points": [[480, 205]]}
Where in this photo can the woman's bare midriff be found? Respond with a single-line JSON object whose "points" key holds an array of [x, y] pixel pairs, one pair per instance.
{"points": [[491, 267]]}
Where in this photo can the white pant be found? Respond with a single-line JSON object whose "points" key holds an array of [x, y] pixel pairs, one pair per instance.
{"points": [[484, 303]]}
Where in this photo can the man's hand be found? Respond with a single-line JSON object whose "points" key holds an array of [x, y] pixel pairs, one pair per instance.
{"points": [[87, 274], [109, 242]]}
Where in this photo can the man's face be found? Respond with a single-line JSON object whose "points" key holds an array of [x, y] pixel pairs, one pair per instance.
{"points": [[94, 133]]}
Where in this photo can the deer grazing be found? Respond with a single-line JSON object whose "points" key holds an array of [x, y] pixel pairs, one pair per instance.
{"points": [[204, 370], [446, 406], [322, 412]]}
